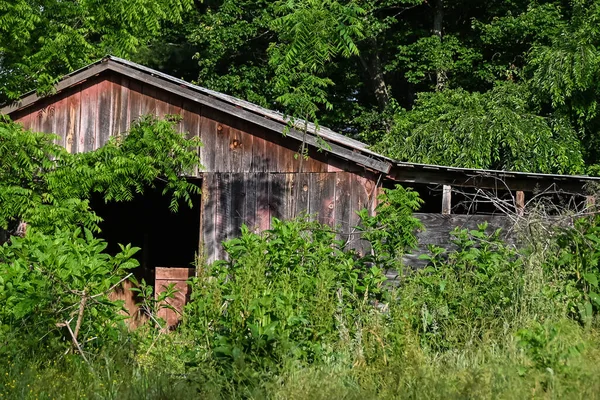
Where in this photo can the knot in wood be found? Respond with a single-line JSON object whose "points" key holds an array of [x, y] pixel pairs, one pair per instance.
{"points": [[234, 144]]}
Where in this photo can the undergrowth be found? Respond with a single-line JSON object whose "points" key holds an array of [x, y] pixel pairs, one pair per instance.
{"points": [[294, 314]]}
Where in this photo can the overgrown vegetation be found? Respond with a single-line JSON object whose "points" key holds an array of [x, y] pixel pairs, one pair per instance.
{"points": [[292, 313]]}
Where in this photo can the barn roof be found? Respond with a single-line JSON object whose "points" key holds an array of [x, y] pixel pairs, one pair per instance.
{"points": [[339, 145]]}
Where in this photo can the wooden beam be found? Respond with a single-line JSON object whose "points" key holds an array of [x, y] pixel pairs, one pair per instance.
{"points": [[483, 180], [590, 202], [447, 200], [520, 203]]}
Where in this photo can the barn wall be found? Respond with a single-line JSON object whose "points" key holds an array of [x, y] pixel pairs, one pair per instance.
{"points": [[250, 174], [232, 199]]}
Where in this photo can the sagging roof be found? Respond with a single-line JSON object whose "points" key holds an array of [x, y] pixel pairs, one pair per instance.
{"points": [[340, 145]]}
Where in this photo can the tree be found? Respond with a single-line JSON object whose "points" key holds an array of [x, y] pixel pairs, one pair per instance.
{"points": [[498, 129], [40, 40]]}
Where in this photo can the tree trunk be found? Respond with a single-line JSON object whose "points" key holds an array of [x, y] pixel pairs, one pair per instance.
{"points": [[374, 70], [438, 21]]}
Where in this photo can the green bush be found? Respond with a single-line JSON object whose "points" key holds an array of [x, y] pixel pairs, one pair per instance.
{"points": [[464, 292], [291, 292], [52, 285], [574, 267]]}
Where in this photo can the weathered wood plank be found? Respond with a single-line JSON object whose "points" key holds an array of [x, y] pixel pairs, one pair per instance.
{"points": [[135, 100], [118, 121], [520, 202], [322, 197], [61, 113], [222, 149], [362, 190], [148, 103], [260, 158], [270, 159], [178, 277], [447, 200], [302, 193], [162, 103], [89, 108], [190, 125], [288, 159], [47, 121], [291, 188], [343, 203], [278, 195], [263, 205], [438, 226], [210, 197], [208, 133], [74, 107], [24, 119], [251, 197], [175, 104], [247, 141], [437, 232], [224, 217], [124, 112], [238, 202], [235, 152], [105, 110]]}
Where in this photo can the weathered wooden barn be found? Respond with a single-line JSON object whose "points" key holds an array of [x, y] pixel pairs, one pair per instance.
{"points": [[251, 172]]}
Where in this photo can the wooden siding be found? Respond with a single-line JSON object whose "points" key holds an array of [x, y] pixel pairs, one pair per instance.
{"points": [[253, 198]]}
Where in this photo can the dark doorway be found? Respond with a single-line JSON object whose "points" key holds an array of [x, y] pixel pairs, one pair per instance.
{"points": [[166, 239]]}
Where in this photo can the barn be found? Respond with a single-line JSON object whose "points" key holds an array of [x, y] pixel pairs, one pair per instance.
{"points": [[251, 169]]}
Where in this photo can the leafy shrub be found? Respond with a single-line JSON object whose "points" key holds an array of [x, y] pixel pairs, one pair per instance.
{"points": [[291, 291], [465, 291], [391, 230], [52, 285], [543, 345], [575, 268]]}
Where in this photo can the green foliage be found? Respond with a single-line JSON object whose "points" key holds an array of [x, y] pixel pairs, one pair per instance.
{"points": [[423, 58], [289, 292], [463, 292], [149, 303], [576, 265], [498, 129], [311, 33], [391, 230], [42, 184], [547, 352], [42, 283], [41, 40]]}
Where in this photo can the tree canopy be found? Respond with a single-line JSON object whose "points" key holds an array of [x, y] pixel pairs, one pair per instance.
{"points": [[501, 84]]}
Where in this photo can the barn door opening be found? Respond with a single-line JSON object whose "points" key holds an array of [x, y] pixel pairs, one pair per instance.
{"points": [[167, 240]]}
